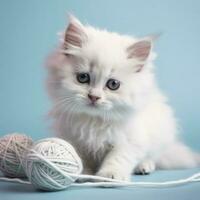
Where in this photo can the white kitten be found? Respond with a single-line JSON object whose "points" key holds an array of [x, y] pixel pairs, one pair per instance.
{"points": [[107, 104]]}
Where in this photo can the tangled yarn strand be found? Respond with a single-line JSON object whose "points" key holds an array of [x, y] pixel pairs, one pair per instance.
{"points": [[116, 183]]}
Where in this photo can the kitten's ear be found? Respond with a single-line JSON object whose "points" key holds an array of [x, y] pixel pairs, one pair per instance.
{"points": [[140, 50], [75, 35]]}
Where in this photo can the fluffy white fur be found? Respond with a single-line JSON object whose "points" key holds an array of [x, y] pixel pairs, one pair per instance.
{"points": [[132, 129]]}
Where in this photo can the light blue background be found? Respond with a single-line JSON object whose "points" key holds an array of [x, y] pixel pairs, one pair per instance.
{"points": [[28, 33]]}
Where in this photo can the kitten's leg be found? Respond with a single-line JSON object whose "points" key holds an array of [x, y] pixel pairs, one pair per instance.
{"points": [[89, 165], [145, 167], [87, 170], [178, 156], [119, 163]]}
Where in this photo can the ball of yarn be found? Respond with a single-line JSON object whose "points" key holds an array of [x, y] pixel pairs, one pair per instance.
{"points": [[12, 149], [51, 163]]}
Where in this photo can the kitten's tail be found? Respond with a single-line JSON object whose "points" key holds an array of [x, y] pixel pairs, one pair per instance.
{"points": [[178, 156]]}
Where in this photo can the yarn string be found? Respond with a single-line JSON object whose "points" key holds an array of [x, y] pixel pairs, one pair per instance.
{"points": [[113, 182], [116, 183], [14, 180]]}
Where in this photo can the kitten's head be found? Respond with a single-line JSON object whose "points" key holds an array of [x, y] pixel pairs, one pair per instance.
{"points": [[98, 72]]}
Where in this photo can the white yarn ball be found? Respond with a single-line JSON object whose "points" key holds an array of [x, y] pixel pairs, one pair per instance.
{"points": [[12, 149], [51, 163]]}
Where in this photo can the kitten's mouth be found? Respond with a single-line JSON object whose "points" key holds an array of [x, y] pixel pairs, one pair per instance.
{"points": [[93, 105]]}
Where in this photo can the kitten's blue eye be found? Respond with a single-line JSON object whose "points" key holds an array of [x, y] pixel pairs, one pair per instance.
{"points": [[113, 84], [83, 77]]}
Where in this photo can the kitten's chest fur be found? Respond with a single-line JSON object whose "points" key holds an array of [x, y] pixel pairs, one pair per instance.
{"points": [[91, 136]]}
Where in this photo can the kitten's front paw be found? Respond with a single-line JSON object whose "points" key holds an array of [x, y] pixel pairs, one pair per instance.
{"points": [[145, 167], [114, 174]]}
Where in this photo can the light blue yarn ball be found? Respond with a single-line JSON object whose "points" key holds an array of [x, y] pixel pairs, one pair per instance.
{"points": [[51, 164]]}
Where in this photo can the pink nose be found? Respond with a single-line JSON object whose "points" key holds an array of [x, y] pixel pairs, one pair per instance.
{"points": [[93, 98]]}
